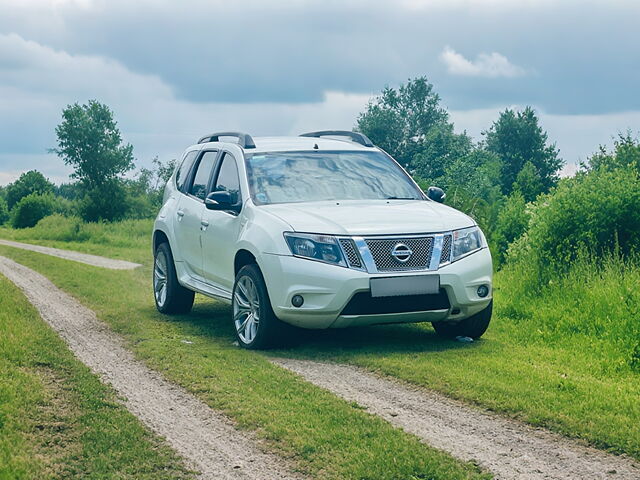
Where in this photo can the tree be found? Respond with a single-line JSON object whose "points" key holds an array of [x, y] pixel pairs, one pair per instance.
{"points": [[517, 138], [28, 183], [89, 140], [528, 182], [4, 211], [626, 152], [399, 120]]}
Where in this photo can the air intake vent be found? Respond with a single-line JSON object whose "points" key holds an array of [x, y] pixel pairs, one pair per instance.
{"points": [[351, 252]]}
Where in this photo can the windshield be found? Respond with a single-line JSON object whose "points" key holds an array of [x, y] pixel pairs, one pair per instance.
{"points": [[284, 177]]}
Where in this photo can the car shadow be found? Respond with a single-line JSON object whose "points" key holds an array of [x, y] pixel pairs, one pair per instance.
{"points": [[212, 319]]}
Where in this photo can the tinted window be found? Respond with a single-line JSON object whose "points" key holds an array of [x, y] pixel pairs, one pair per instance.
{"points": [[203, 173], [183, 171], [281, 177], [228, 178]]}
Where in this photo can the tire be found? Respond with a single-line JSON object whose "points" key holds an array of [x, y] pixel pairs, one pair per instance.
{"points": [[254, 323], [473, 327], [169, 295]]}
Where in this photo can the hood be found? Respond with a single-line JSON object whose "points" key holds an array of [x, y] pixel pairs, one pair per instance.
{"points": [[367, 217]]}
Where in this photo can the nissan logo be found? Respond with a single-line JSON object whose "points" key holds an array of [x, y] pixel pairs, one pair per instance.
{"points": [[401, 252]]}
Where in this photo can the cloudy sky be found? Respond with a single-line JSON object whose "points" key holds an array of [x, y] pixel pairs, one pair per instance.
{"points": [[175, 70]]}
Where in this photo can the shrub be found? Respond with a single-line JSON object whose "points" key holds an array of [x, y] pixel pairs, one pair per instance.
{"points": [[31, 209], [511, 224], [4, 211], [595, 213], [107, 203]]}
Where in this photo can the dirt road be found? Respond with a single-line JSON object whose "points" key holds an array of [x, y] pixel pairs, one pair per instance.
{"points": [[94, 260], [206, 439], [508, 449]]}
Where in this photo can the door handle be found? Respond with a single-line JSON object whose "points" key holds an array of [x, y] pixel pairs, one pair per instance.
{"points": [[180, 213], [204, 223]]}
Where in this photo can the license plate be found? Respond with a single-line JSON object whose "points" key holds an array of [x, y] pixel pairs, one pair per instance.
{"points": [[412, 285]]}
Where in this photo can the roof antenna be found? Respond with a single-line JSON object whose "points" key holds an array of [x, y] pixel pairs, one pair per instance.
{"points": [[315, 146]]}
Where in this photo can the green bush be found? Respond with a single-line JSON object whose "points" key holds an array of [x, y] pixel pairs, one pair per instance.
{"points": [[595, 213], [511, 224], [4, 211], [31, 209]]}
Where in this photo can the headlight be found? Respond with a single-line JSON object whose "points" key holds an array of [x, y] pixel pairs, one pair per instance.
{"points": [[466, 241], [324, 248]]}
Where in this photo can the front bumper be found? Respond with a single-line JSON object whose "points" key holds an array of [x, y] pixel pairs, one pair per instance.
{"points": [[328, 289]]}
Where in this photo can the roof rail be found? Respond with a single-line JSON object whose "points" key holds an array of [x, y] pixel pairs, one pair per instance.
{"points": [[244, 139], [356, 137]]}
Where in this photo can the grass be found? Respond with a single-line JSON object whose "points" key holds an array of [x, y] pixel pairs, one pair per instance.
{"points": [[56, 419], [126, 240], [326, 437], [565, 355]]}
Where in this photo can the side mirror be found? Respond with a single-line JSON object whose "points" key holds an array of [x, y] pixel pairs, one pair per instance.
{"points": [[436, 194], [220, 200]]}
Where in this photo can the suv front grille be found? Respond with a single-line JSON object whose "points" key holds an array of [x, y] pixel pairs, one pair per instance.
{"points": [[351, 252], [381, 251], [445, 256]]}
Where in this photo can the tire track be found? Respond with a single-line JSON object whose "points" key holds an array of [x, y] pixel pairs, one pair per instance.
{"points": [[93, 260], [206, 439], [508, 449]]}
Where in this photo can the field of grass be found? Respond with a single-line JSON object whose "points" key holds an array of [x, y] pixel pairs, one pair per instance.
{"points": [[126, 240], [56, 419], [563, 356], [327, 437]]}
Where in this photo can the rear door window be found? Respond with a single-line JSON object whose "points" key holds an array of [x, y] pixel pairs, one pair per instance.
{"points": [[183, 172], [203, 174]]}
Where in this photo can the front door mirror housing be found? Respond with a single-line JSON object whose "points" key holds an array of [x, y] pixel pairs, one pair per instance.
{"points": [[436, 194], [221, 200]]}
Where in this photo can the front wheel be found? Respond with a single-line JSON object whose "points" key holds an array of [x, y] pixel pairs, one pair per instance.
{"points": [[254, 322], [170, 296], [473, 327]]}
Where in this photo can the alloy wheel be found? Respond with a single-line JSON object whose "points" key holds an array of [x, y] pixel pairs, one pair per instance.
{"points": [[246, 309]]}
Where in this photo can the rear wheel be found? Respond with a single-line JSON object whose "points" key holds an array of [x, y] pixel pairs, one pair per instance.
{"points": [[170, 296], [255, 324], [473, 327]]}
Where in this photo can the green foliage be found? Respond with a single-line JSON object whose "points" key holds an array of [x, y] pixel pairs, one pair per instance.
{"points": [[596, 298], [597, 213], [28, 183], [31, 209], [512, 222], [4, 211], [146, 190], [107, 202], [90, 141], [626, 153], [399, 120], [517, 139]]}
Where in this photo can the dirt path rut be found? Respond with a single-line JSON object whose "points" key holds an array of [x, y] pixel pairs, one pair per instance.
{"points": [[508, 449], [206, 439], [94, 260]]}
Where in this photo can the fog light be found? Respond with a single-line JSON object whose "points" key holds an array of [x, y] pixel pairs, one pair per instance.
{"points": [[483, 291], [297, 301]]}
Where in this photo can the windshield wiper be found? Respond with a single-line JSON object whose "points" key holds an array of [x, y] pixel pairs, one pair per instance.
{"points": [[401, 198]]}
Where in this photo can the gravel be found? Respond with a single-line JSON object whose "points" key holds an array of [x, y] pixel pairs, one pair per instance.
{"points": [[506, 448], [94, 260], [207, 440]]}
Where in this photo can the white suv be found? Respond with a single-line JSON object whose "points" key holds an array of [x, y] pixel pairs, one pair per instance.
{"points": [[323, 230]]}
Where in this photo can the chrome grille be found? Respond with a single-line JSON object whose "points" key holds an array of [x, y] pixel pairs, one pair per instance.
{"points": [[446, 249], [381, 249], [350, 251]]}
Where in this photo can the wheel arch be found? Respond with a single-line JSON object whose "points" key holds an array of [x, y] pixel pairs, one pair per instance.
{"points": [[243, 257]]}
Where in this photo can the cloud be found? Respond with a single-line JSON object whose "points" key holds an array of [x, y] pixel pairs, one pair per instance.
{"points": [[491, 65]]}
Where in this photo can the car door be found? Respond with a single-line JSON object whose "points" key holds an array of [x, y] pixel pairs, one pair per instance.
{"points": [[222, 228], [188, 230]]}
